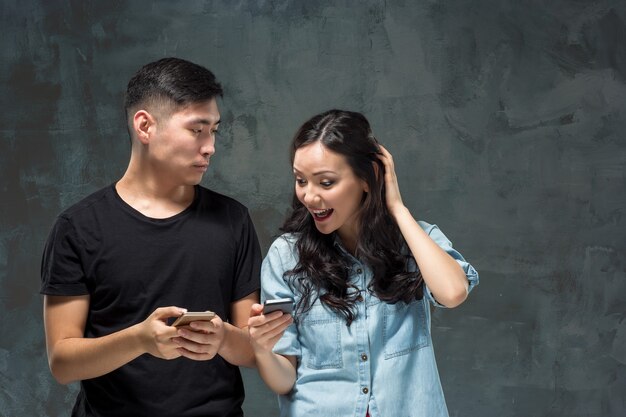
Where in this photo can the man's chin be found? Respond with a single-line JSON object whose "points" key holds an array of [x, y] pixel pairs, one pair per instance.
{"points": [[195, 180]]}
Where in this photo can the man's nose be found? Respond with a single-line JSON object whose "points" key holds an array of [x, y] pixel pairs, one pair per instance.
{"points": [[208, 149]]}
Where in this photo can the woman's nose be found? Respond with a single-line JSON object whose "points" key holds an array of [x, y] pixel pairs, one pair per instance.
{"points": [[311, 197]]}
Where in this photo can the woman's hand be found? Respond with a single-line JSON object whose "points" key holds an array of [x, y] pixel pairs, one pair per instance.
{"points": [[392, 190], [442, 274], [277, 371], [266, 330]]}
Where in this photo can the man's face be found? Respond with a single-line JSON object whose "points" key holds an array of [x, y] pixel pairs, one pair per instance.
{"points": [[183, 142]]}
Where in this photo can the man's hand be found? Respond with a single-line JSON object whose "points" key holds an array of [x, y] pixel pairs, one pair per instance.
{"points": [[158, 338], [200, 340]]}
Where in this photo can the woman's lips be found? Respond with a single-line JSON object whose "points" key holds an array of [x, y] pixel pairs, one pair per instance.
{"points": [[321, 215]]}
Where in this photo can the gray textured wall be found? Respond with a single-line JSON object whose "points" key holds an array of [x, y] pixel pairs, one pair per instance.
{"points": [[506, 119]]}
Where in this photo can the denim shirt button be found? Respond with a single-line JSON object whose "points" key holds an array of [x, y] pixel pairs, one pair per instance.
{"points": [[363, 357], [360, 298], [365, 390], [359, 271]]}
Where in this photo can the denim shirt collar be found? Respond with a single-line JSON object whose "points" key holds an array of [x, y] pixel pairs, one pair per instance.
{"points": [[339, 245]]}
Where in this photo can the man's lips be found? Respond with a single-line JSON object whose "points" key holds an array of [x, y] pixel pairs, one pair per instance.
{"points": [[202, 165]]}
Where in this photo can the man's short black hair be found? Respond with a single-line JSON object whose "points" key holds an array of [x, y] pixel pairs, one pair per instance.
{"points": [[172, 81]]}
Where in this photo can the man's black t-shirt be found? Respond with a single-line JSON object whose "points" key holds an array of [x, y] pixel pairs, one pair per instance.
{"points": [[203, 258]]}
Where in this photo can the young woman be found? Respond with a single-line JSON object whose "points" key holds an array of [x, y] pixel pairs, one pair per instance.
{"points": [[362, 271]]}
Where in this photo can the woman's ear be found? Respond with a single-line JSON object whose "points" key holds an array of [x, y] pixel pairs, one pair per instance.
{"points": [[377, 173], [376, 169], [142, 125], [366, 187]]}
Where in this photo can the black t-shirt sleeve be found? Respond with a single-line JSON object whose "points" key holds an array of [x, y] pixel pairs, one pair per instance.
{"points": [[248, 261], [62, 271]]}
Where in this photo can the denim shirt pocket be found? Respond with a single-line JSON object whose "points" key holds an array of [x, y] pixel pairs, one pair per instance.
{"points": [[404, 328], [320, 331]]}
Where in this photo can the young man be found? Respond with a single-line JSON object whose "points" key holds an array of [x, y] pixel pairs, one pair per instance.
{"points": [[123, 262]]}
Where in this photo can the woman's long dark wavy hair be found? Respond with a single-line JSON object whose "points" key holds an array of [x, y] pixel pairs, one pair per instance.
{"points": [[323, 270]]}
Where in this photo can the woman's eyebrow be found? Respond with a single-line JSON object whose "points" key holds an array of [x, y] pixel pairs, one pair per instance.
{"points": [[326, 171]]}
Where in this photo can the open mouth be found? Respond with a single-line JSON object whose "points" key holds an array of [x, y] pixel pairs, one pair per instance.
{"points": [[321, 215]]}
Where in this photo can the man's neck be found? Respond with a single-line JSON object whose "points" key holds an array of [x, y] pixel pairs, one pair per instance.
{"points": [[153, 198]]}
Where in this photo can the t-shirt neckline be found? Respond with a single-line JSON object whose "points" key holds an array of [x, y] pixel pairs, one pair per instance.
{"points": [[139, 215]]}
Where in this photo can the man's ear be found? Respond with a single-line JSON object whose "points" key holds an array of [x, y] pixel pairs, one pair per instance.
{"points": [[143, 125]]}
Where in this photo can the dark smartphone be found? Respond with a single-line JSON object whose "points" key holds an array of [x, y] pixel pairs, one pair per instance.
{"points": [[190, 316], [283, 304]]}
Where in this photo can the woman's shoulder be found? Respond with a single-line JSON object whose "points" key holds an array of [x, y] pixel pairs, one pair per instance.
{"points": [[283, 251], [286, 241], [284, 246], [427, 227]]}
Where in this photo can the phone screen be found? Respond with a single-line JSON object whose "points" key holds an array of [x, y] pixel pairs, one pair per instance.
{"points": [[283, 304]]}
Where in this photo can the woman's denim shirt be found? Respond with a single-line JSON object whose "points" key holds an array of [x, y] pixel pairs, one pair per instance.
{"points": [[384, 361]]}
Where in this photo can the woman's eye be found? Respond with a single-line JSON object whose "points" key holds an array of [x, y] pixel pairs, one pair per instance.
{"points": [[300, 181], [327, 183]]}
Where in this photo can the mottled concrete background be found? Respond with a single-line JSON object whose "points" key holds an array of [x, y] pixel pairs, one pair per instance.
{"points": [[506, 119]]}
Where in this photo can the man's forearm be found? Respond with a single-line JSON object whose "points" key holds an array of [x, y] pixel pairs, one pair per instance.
{"points": [[236, 347], [75, 359]]}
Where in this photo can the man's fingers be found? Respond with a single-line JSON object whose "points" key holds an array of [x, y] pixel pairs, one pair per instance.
{"points": [[191, 347], [196, 356], [162, 313], [202, 337]]}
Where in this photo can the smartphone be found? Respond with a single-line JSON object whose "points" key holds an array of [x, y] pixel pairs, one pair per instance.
{"points": [[190, 316], [283, 304]]}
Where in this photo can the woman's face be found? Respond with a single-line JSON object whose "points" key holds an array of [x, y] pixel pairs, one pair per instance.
{"points": [[327, 186]]}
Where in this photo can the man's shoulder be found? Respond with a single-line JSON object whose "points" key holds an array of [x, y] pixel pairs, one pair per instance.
{"points": [[93, 201], [208, 196]]}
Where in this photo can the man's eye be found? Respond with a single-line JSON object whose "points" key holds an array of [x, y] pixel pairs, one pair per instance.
{"points": [[196, 131]]}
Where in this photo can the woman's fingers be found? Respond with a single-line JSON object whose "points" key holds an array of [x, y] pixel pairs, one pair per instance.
{"points": [[392, 188], [265, 331]]}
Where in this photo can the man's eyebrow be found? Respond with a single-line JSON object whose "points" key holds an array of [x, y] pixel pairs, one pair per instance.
{"points": [[204, 122]]}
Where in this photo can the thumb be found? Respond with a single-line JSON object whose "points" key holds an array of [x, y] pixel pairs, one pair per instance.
{"points": [[256, 310], [167, 312]]}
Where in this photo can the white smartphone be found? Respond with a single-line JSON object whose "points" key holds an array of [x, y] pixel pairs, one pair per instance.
{"points": [[283, 304], [190, 316]]}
